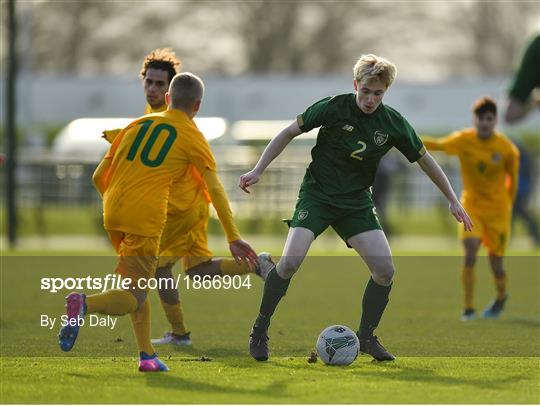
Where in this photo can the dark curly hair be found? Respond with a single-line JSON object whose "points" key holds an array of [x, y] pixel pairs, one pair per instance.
{"points": [[163, 59], [484, 105]]}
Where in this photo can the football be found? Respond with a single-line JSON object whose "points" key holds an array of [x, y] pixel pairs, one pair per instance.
{"points": [[338, 345]]}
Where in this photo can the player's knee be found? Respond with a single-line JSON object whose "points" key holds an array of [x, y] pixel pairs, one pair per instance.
{"points": [[497, 266], [193, 272], [165, 282], [471, 246], [383, 274], [140, 295], [470, 259], [499, 272], [200, 270], [164, 272]]}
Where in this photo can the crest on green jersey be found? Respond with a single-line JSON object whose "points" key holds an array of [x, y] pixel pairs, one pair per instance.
{"points": [[302, 214], [380, 138]]}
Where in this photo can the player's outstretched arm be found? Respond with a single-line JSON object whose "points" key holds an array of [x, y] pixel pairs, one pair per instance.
{"points": [[437, 176], [272, 150], [240, 249], [516, 109], [449, 144], [242, 252], [522, 93], [432, 144]]}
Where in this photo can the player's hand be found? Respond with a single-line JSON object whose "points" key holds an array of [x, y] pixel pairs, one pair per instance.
{"points": [[248, 179], [243, 253], [460, 214]]}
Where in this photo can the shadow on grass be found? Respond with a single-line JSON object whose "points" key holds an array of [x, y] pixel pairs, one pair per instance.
{"points": [[522, 321], [405, 373], [212, 352], [177, 383], [396, 371], [79, 375]]}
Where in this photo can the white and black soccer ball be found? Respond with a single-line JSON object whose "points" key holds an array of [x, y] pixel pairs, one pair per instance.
{"points": [[338, 345]]}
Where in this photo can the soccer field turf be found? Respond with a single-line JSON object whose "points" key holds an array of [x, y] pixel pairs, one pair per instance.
{"points": [[440, 359]]}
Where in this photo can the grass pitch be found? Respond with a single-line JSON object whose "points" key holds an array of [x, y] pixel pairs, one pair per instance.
{"points": [[440, 359], [281, 380]]}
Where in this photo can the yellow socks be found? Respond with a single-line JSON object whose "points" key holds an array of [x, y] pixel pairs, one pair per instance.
{"points": [[467, 281], [114, 302], [120, 302], [500, 284], [175, 315], [141, 327], [229, 266]]}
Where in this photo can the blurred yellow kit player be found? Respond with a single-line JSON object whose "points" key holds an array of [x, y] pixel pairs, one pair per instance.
{"points": [[489, 167]]}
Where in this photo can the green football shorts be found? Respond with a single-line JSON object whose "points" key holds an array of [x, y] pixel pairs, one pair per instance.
{"points": [[317, 217]]}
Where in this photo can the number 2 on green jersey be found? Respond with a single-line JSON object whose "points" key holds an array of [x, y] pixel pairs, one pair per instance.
{"points": [[356, 154], [150, 141]]}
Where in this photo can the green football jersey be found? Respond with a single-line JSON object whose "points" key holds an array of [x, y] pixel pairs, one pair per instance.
{"points": [[349, 146], [527, 76]]}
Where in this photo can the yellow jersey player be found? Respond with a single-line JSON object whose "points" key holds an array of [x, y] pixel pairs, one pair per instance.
{"points": [[489, 167], [185, 233], [135, 179], [158, 69]]}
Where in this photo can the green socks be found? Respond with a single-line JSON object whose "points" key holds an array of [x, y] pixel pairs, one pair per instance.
{"points": [[373, 305], [274, 289]]}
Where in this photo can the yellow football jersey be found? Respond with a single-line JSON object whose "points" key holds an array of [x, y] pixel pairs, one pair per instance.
{"points": [[149, 110], [177, 198], [197, 189], [110, 135], [150, 157], [486, 167]]}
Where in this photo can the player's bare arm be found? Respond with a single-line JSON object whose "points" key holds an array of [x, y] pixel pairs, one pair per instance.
{"points": [[524, 92], [516, 109], [271, 152], [437, 176]]}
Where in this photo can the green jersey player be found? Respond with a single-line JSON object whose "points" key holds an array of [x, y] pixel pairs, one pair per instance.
{"points": [[356, 130]]}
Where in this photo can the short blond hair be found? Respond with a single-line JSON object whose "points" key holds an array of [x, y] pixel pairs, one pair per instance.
{"points": [[369, 67], [185, 90]]}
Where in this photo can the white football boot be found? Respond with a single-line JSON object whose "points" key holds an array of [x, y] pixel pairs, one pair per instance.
{"points": [[266, 263]]}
